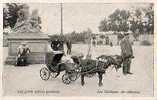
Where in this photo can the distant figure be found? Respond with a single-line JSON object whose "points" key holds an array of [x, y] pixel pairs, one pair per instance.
{"points": [[111, 44], [107, 40], [127, 53], [94, 41], [22, 54], [69, 46]]}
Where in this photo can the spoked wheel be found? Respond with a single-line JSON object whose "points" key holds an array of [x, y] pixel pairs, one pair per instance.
{"points": [[65, 79], [74, 76], [44, 73], [53, 74]]}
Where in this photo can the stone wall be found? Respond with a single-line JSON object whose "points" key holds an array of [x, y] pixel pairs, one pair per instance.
{"points": [[36, 42]]}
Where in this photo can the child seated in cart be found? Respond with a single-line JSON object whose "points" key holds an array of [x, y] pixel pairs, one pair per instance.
{"points": [[68, 61]]}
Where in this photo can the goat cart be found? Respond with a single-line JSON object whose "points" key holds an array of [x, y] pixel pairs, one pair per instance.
{"points": [[54, 65]]}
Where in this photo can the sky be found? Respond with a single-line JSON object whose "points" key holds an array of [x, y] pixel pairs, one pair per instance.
{"points": [[76, 16]]}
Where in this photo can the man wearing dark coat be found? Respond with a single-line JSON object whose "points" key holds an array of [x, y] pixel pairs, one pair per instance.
{"points": [[127, 53]]}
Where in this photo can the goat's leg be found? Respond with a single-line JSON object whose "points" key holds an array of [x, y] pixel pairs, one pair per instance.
{"points": [[100, 74], [82, 80]]}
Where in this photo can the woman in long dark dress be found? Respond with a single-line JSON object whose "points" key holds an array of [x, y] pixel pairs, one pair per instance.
{"points": [[22, 58]]}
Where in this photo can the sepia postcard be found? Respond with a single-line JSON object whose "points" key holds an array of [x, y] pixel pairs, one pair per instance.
{"points": [[78, 49]]}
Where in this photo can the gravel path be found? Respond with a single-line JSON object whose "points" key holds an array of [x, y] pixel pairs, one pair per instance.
{"points": [[26, 81]]}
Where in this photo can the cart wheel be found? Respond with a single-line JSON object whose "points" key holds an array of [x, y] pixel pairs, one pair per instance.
{"points": [[65, 79], [44, 73], [53, 74], [73, 76]]}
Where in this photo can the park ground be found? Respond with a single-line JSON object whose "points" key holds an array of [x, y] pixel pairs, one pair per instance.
{"points": [[26, 81]]}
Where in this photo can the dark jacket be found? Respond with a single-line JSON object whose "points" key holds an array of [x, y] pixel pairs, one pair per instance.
{"points": [[126, 48], [69, 44]]}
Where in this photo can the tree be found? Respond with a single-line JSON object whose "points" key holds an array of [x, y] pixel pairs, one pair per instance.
{"points": [[76, 37], [136, 21], [149, 13], [104, 26], [121, 20], [139, 21], [117, 21], [143, 20]]}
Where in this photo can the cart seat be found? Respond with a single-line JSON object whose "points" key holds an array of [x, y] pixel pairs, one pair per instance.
{"points": [[53, 59]]}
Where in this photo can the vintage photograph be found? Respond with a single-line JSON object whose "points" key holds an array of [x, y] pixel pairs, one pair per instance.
{"points": [[78, 49]]}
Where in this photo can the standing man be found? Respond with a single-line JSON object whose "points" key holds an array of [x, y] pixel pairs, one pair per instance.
{"points": [[127, 53], [69, 46]]}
